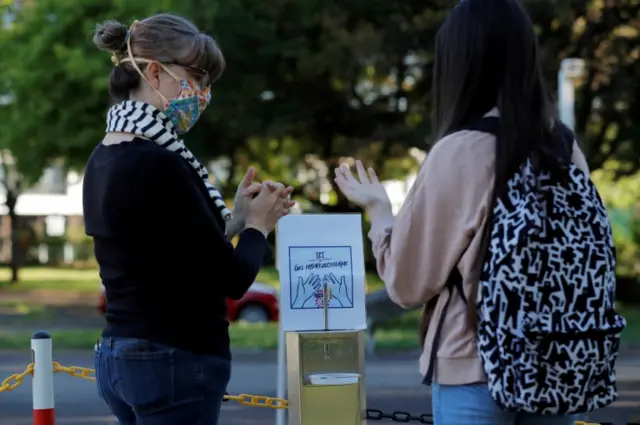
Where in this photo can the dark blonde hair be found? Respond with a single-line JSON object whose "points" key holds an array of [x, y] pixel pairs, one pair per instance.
{"points": [[166, 38]]}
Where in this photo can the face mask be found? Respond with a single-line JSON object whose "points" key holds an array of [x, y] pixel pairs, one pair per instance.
{"points": [[185, 110]]}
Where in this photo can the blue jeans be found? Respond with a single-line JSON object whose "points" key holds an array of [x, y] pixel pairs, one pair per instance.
{"points": [[145, 383], [473, 405]]}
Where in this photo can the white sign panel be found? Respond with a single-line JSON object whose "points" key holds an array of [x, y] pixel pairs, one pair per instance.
{"points": [[314, 250]]}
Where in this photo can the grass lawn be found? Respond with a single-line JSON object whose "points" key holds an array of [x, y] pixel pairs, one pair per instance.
{"points": [[46, 278], [243, 336], [77, 280], [398, 334]]}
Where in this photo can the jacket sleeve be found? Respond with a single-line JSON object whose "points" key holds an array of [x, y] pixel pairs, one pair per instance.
{"points": [[416, 251]]}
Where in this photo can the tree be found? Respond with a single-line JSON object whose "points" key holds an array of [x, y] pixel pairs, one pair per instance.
{"points": [[57, 80], [604, 34], [353, 78], [53, 90], [12, 187], [308, 83], [315, 81]]}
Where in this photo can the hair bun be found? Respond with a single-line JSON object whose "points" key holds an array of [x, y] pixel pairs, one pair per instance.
{"points": [[111, 36]]}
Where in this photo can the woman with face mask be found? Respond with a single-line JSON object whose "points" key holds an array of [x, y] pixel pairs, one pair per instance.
{"points": [[161, 230]]}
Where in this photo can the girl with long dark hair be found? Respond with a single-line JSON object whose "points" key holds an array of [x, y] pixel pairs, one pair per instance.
{"points": [[493, 120]]}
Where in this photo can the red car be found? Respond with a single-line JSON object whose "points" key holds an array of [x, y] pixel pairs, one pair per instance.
{"points": [[259, 305]]}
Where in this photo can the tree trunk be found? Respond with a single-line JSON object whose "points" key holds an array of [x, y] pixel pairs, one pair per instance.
{"points": [[12, 200], [15, 248]]}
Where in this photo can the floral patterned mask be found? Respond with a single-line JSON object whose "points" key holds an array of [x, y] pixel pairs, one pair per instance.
{"points": [[185, 110]]}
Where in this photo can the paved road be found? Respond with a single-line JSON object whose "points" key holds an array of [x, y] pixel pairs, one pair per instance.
{"points": [[392, 384]]}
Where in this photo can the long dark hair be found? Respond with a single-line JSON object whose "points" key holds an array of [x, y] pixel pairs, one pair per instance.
{"points": [[486, 56]]}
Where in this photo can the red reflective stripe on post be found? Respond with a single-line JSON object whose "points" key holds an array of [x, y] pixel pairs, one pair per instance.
{"points": [[44, 416]]}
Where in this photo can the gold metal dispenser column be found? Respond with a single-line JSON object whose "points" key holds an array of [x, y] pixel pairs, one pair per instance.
{"points": [[325, 375]]}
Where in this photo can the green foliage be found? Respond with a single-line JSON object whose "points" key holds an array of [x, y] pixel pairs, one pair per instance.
{"points": [[633, 248], [622, 193], [621, 197], [308, 82], [58, 80], [604, 35]]}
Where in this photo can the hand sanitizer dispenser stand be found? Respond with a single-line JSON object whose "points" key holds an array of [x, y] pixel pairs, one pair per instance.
{"points": [[324, 332], [325, 375]]}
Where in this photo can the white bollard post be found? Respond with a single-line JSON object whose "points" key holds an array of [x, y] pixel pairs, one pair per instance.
{"points": [[281, 414], [43, 402], [281, 379]]}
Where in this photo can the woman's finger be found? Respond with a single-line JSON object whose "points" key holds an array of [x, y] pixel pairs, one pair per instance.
{"points": [[278, 192], [270, 184], [273, 185], [253, 189], [346, 185], [373, 176], [264, 192], [247, 180], [287, 203], [287, 191], [346, 173], [341, 183], [362, 174]]}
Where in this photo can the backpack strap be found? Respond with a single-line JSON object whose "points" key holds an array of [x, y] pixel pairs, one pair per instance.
{"points": [[485, 125], [454, 282]]}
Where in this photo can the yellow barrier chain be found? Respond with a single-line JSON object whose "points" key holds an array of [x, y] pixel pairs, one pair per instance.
{"points": [[75, 371], [258, 401], [15, 380]]}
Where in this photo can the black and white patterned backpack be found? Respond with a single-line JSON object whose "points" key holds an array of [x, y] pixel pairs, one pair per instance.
{"points": [[548, 334]]}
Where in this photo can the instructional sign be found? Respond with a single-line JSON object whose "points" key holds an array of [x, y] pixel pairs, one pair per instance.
{"points": [[316, 252]]}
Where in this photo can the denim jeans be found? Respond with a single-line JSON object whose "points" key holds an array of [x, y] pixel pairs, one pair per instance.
{"points": [[146, 383], [473, 405]]}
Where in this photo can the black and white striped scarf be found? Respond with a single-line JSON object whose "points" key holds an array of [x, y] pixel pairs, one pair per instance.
{"points": [[144, 120]]}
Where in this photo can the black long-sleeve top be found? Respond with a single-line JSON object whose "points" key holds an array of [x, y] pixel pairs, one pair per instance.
{"points": [[164, 260]]}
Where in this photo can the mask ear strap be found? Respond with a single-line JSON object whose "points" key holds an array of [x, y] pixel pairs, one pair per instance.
{"points": [[134, 62], [128, 40]]}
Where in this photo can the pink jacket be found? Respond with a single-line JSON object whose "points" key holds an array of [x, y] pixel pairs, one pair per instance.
{"points": [[443, 215]]}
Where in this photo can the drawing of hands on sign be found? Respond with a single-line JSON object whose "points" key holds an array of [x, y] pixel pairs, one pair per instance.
{"points": [[305, 290], [339, 291]]}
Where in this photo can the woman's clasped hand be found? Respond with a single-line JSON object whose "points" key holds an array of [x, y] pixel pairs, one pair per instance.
{"points": [[260, 205]]}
